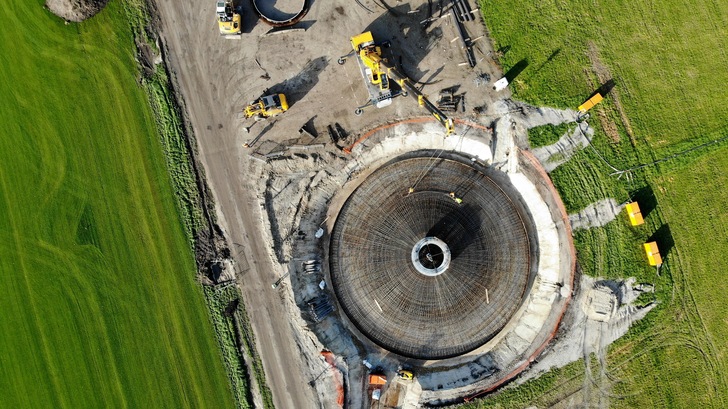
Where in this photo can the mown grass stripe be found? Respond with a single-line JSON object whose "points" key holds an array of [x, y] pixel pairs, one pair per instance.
{"points": [[666, 58], [123, 321]]}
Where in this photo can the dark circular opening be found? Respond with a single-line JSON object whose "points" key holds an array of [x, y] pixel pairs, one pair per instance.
{"points": [[431, 256]]}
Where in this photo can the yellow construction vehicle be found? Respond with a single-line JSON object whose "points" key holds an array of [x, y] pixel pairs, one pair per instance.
{"points": [[405, 374], [266, 106], [228, 20], [371, 56], [372, 69], [377, 74]]}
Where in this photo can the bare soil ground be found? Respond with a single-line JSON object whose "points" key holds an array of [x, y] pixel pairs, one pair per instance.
{"points": [[75, 10], [595, 215], [603, 75], [552, 156], [602, 312]]}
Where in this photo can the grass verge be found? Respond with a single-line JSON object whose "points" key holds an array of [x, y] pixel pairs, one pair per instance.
{"points": [[222, 302]]}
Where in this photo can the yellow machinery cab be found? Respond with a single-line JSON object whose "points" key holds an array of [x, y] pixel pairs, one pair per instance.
{"points": [[371, 55], [406, 375], [228, 20], [267, 106]]}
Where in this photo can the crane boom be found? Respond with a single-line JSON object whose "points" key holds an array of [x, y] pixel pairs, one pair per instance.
{"points": [[376, 72], [422, 100]]}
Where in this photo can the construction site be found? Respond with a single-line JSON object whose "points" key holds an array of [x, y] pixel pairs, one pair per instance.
{"points": [[396, 241]]}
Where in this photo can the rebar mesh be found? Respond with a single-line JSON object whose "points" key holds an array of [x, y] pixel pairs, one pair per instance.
{"points": [[402, 310]]}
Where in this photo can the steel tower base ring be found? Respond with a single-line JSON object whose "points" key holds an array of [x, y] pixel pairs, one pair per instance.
{"points": [[276, 18]]}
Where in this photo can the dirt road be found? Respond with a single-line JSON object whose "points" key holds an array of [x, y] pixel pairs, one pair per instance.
{"points": [[211, 72], [218, 77]]}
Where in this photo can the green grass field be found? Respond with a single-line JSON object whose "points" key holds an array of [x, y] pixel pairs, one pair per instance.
{"points": [[99, 303], [667, 60]]}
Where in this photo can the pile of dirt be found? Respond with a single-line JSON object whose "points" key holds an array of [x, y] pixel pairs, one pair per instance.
{"points": [[75, 10]]}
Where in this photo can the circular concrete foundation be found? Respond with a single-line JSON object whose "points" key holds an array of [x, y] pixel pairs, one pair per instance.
{"points": [[376, 288], [430, 257]]}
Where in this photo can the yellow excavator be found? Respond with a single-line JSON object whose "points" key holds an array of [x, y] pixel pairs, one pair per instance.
{"points": [[266, 107], [377, 74], [228, 21]]}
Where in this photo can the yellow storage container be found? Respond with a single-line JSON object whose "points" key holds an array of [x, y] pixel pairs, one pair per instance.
{"points": [[635, 215], [589, 104], [653, 254]]}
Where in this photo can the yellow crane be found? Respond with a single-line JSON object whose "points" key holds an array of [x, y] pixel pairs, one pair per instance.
{"points": [[372, 69], [228, 21], [377, 74]]}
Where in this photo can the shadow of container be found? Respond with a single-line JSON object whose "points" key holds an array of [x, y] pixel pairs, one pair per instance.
{"points": [[604, 89], [516, 70], [663, 237], [646, 199]]}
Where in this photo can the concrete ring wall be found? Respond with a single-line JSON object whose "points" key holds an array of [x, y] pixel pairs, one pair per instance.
{"points": [[533, 326], [280, 19]]}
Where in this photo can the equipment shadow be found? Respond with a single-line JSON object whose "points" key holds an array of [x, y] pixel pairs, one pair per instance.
{"points": [[297, 87], [411, 42], [604, 89], [458, 229], [646, 199], [516, 70], [663, 237]]}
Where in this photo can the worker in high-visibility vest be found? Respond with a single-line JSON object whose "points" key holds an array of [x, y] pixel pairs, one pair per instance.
{"points": [[455, 198]]}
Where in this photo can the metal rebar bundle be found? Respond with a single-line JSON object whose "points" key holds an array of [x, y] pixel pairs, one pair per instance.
{"points": [[434, 272]]}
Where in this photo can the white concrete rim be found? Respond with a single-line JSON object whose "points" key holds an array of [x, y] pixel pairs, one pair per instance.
{"points": [[421, 268]]}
